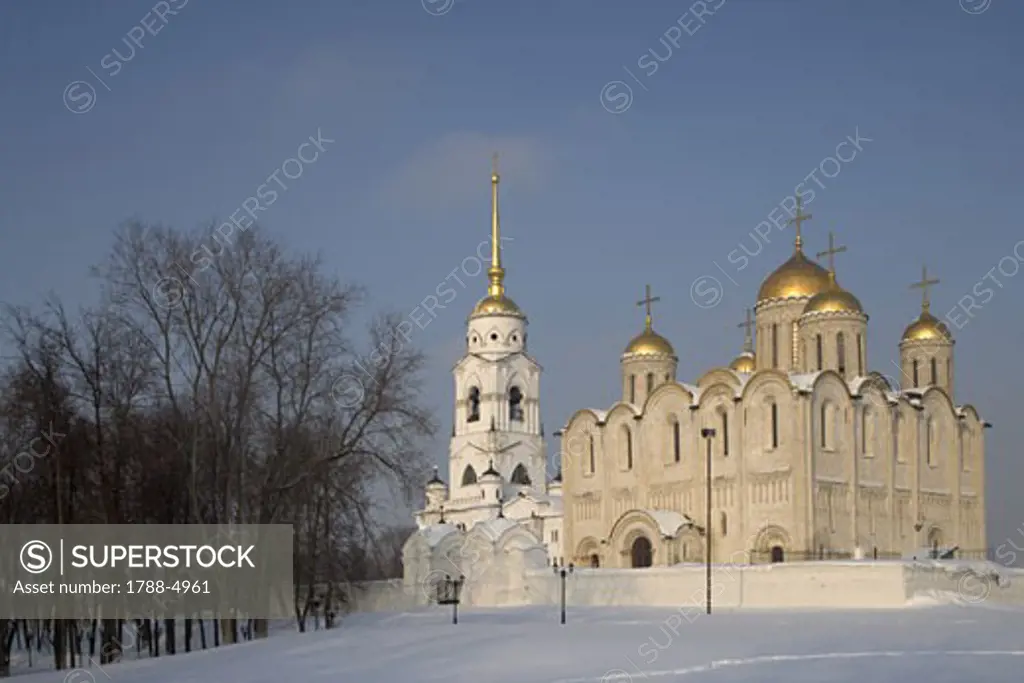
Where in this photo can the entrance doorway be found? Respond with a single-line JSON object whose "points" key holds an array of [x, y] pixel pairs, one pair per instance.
{"points": [[778, 555], [641, 552]]}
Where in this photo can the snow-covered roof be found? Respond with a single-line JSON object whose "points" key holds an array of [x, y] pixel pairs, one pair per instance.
{"points": [[669, 522], [435, 533], [694, 390], [804, 381], [494, 528]]}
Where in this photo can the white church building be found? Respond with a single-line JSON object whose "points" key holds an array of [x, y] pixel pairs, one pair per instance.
{"points": [[498, 485]]}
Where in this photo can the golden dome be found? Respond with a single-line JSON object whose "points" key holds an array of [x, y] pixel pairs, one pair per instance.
{"points": [[835, 299], [797, 277], [743, 363], [927, 328], [649, 343], [496, 305]]}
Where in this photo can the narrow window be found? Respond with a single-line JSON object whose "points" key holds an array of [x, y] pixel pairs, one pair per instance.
{"points": [[592, 454], [864, 419], [935, 373], [515, 404], [675, 440], [915, 374], [650, 383], [860, 357], [818, 340], [896, 437], [474, 405], [629, 447], [841, 353], [775, 425], [632, 388], [928, 441], [824, 421], [723, 522], [775, 346], [725, 433]]}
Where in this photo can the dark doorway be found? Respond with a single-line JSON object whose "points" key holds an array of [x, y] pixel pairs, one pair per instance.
{"points": [[641, 552], [777, 554], [595, 561]]}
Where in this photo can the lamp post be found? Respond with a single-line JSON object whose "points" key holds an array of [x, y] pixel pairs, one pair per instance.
{"points": [[448, 594], [708, 434], [561, 572]]}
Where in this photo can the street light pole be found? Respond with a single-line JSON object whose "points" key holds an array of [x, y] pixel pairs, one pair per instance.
{"points": [[708, 434], [562, 573]]}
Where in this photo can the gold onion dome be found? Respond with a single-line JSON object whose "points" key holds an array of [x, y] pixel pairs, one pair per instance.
{"points": [[835, 299], [744, 362], [797, 277], [927, 328], [496, 305], [649, 343]]}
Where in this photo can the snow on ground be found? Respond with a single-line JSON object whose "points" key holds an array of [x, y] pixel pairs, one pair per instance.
{"points": [[937, 644]]}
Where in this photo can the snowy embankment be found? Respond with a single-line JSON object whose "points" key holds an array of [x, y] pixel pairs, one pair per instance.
{"points": [[942, 644]]}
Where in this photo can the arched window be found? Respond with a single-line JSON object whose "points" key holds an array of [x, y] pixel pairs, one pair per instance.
{"points": [[824, 424], [632, 388], [723, 523], [865, 428], [896, 436], [627, 445], [928, 441], [841, 353], [650, 383], [949, 373], [515, 404], [725, 433], [469, 476], [860, 356], [775, 424], [820, 362], [935, 373], [775, 345], [676, 450], [915, 374], [474, 405], [520, 476], [592, 463]]}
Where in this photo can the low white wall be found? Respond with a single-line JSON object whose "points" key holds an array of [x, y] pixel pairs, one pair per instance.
{"points": [[835, 585]]}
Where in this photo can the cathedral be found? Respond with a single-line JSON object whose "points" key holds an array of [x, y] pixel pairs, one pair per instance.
{"points": [[793, 451]]}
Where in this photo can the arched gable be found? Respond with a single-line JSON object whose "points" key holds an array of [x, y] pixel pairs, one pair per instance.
{"points": [[716, 376], [874, 392], [969, 412], [584, 416], [763, 379], [622, 413], [832, 383], [665, 394], [935, 399]]}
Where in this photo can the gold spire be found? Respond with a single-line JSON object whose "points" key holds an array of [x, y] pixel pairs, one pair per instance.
{"points": [[923, 285], [647, 301], [797, 219], [495, 272], [831, 253]]}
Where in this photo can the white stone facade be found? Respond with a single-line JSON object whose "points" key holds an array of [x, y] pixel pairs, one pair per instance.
{"points": [[813, 456]]}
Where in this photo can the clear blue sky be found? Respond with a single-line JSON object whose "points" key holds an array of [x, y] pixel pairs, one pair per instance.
{"points": [[596, 204]]}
